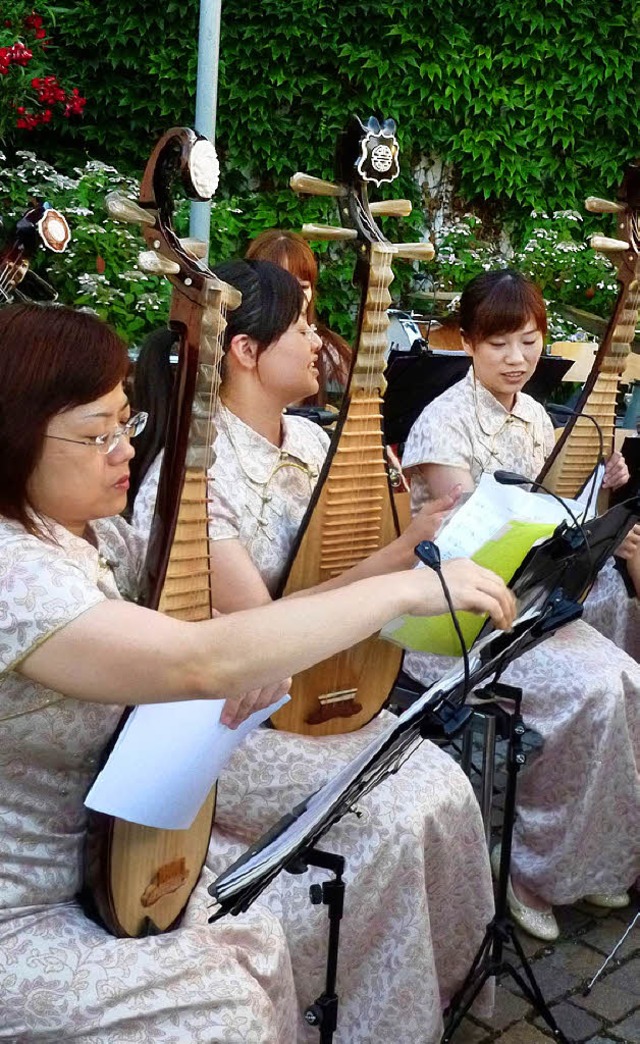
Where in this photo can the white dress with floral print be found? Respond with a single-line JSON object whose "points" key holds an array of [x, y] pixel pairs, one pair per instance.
{"points": [[64, 978], [418, 885], [578, 826]]}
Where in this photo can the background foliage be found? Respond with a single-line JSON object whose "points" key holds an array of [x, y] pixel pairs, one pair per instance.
{"points": [[531, 105]]}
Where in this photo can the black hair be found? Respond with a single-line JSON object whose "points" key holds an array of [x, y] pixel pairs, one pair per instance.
{"points": [[152, 390], [272, 299], [500, 302]]}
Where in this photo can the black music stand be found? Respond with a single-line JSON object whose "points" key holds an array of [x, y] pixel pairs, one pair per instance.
{"points": [[550, 585], [415, 380]]}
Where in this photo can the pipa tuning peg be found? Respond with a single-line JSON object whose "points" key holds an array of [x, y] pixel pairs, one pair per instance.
{"points": [[315, 186], [391, 208], [606, 245], [149, 261], [196, 247], [328, 232], [120, 208], [231, 297], [602, 206], [415, 251]]}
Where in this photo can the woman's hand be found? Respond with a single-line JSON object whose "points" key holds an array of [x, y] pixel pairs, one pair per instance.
{"points": [[616, 472], [426, 524], [472, 588], [237, 708], [630, 545]]}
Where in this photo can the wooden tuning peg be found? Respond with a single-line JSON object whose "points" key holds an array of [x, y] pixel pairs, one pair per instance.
{"points": [[415, 251], [120, 208], [392, 208], [195, 247], [231, 298], [150, 261], [328, 232], [602, 206], [606, 245], [315, 186]]}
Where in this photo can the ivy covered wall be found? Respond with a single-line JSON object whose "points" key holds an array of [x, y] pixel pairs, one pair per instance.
{"points": [[534, 104], [529, 106]]}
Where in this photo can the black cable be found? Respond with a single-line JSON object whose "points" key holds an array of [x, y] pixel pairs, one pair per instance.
{"points": [[554, 407], [429, 553], [512, 478]]}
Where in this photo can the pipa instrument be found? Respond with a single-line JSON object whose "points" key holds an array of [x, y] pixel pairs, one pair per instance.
{"points": [[577, 451], [140, 878], [351, 513], [41, 225]]}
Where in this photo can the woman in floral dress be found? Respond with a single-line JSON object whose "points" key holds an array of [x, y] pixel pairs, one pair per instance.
{"points": [[419, 890], [578, 827], [73, 652]]}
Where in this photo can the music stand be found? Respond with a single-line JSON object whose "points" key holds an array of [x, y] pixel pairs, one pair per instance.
{"points": [[553, 579]]}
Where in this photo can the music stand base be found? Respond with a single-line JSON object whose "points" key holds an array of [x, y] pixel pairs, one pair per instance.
{"points": [[489, 960], [489, 963], [323, 1013]]}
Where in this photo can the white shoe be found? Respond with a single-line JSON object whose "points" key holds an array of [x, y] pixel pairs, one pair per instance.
{"points": [[541, 924], [608, 900]]}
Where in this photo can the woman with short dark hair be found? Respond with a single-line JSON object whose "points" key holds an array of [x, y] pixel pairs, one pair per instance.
{"points": [[577, 832]]}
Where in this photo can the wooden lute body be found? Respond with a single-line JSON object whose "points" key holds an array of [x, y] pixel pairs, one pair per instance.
{"points": [[140, 878], [578, 449], [351, 513]]}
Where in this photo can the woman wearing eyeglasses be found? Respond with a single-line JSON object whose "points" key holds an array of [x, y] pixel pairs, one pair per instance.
{"points": [[578, 827], [73, 652]]}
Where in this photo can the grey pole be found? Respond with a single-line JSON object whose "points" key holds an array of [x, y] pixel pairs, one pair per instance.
{"points": [[206, 100]]}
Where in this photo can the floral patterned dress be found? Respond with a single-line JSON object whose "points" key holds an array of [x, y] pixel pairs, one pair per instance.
{"points": [[418, 890], [64, 978], [578, 825]]}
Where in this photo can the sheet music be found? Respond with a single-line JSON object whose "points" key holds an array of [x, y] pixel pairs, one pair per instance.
{"points": [[496, 526], [165, 761]]}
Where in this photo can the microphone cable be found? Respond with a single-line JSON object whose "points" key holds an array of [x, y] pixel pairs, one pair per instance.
{"points": [[429, 554], [553, 407], [512, 478]]}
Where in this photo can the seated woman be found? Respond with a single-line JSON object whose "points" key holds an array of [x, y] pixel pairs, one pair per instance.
{"points": [[577, 833], [419, 891], [290, 251], [73, 653]]}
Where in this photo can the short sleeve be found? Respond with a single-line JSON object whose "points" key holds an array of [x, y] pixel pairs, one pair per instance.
{"points": [[145, 503], [224, 518], [437, 437], [548, 434], [41, 591]]}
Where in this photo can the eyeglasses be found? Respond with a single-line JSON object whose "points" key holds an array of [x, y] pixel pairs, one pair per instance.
{"points": [[106, 443]]}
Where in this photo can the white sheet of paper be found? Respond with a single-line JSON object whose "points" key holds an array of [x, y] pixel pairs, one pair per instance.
{"points": [[165, 761], [488, 510]]}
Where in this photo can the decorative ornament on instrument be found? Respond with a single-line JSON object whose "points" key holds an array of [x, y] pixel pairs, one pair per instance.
{"points": [[379, 156], [41, 225]]}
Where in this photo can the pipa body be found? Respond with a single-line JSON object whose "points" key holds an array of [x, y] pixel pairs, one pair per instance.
{"points": [[351, 513], [577, 451], [140, 878]]}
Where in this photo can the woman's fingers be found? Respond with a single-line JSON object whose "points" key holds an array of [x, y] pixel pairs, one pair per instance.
{"points": [[630, 545], [237, 708], [430, 517], [616, 472], [479, 590]]}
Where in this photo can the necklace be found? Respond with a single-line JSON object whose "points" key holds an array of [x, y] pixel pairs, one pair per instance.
{"points": [[261, 486]]}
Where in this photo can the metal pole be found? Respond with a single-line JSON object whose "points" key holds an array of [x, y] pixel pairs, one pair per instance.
{"points": [[206, 100]]}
